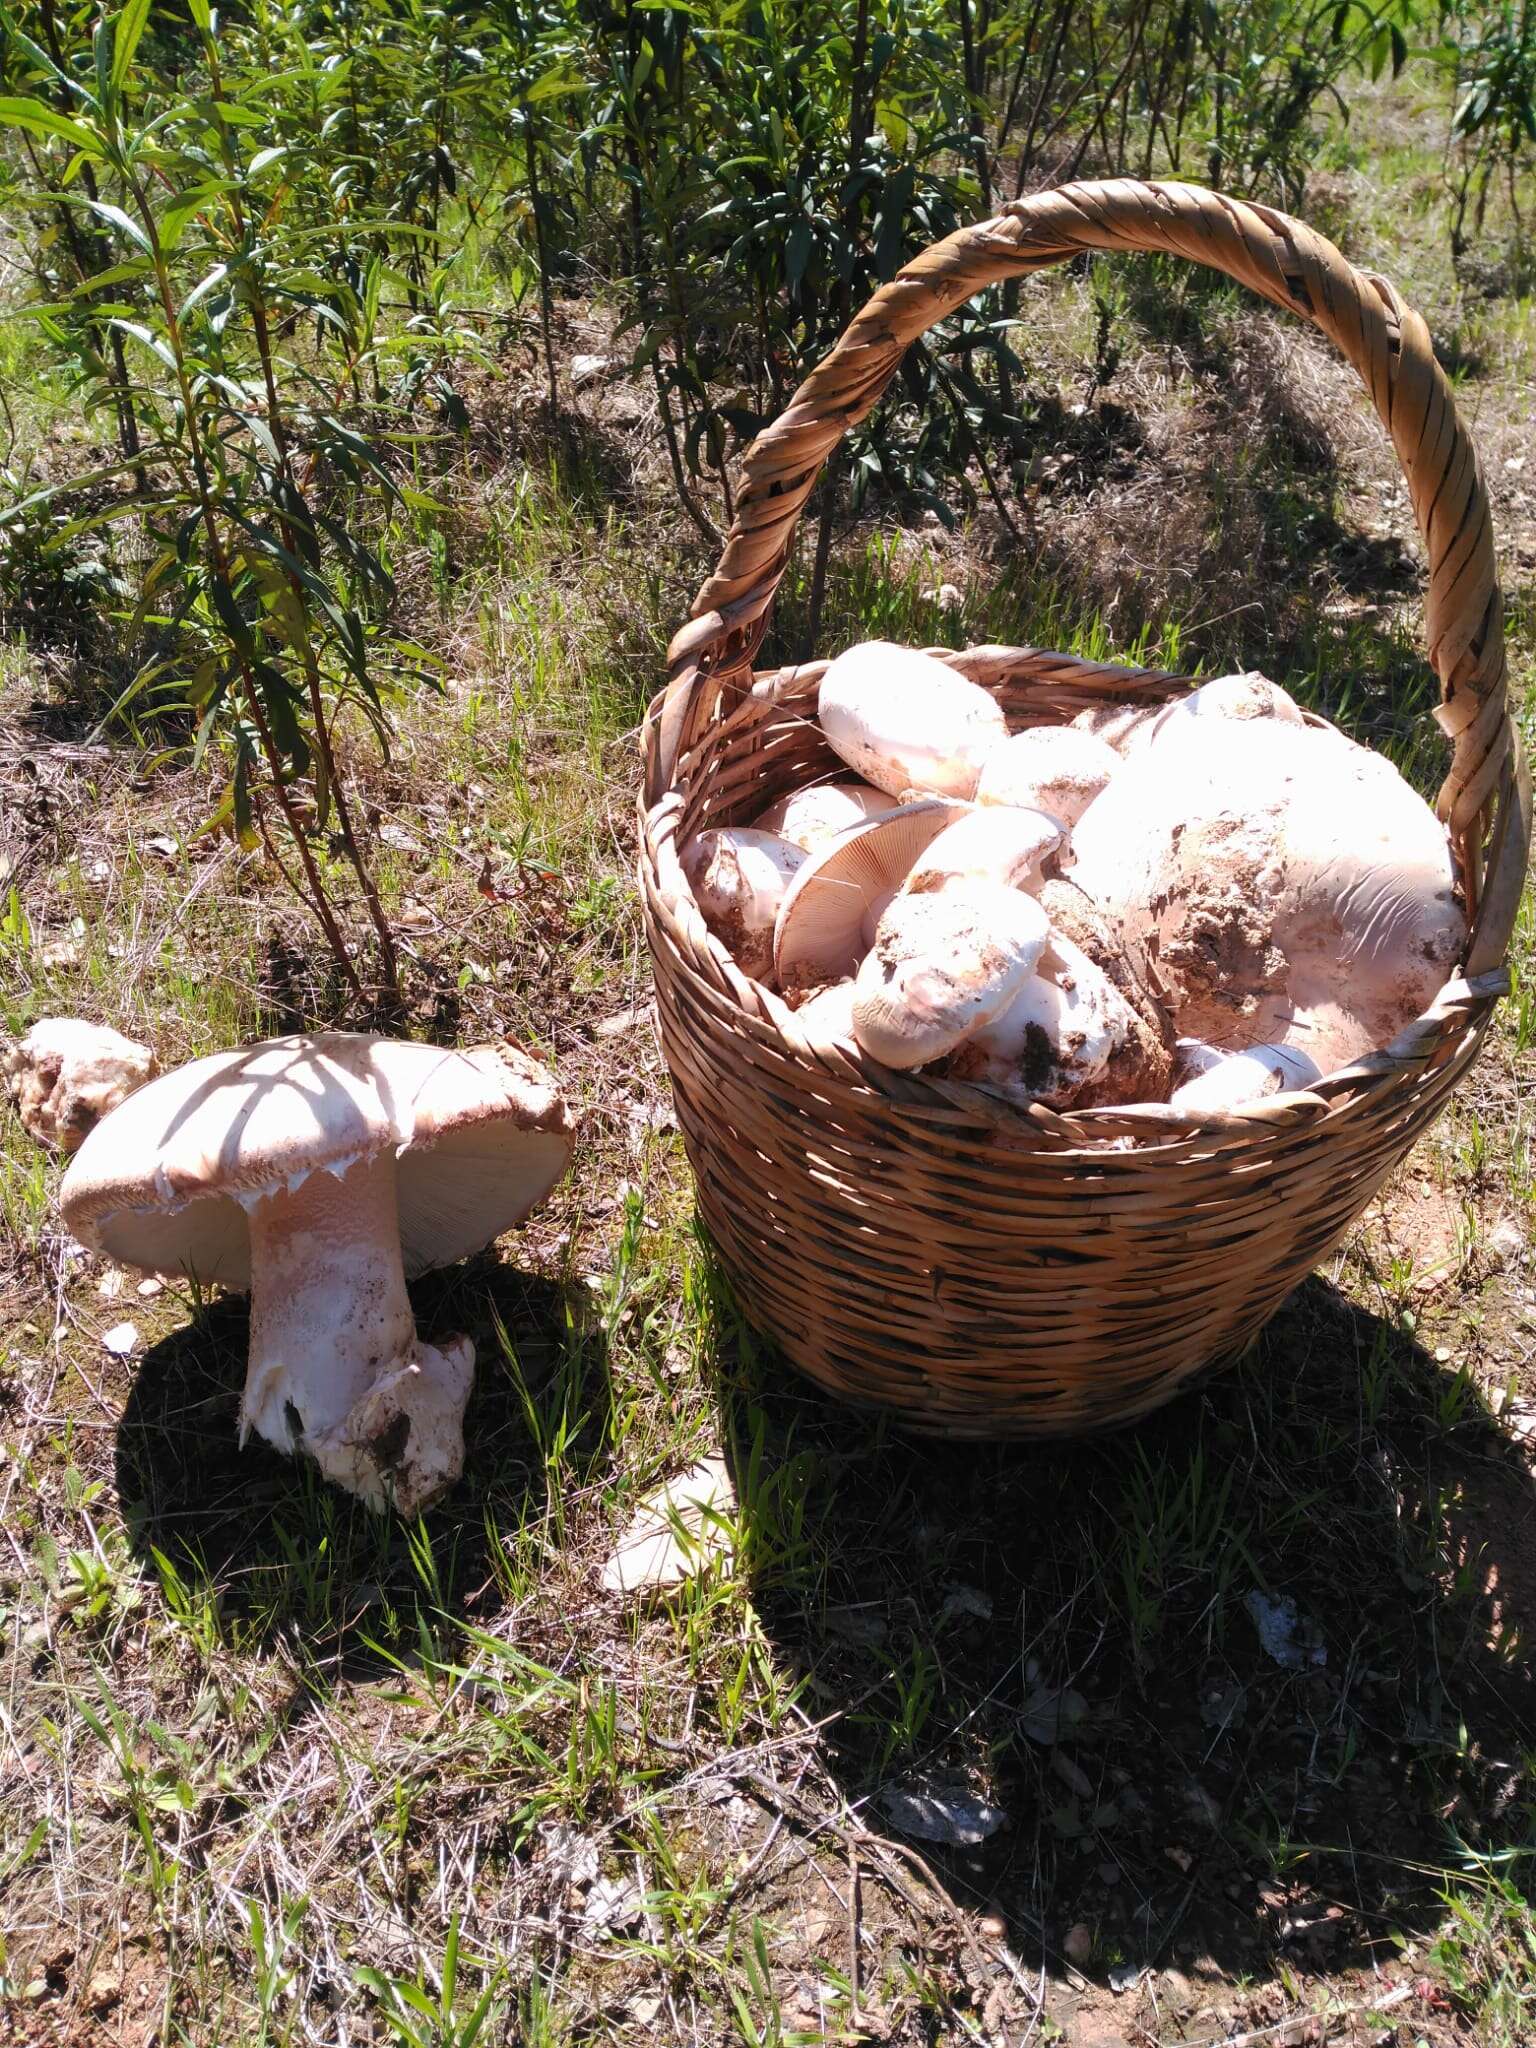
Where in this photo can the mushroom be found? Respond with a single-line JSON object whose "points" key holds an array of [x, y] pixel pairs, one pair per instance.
{"points": [[1291, 885], [998, 844], [1069, 1039], [65, 1074], [1048, 768], [827, 920], [1077, 919], [944, 963], [812, 817], [738, 876], [905, 720], [1125, 728], [826, 1018], [319, 1172], [1246, 1077], [1192, 1057], [1245, 697]]}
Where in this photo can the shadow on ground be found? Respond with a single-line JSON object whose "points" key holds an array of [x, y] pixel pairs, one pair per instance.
{"points": [[1074, 1634], [284, 1553]]}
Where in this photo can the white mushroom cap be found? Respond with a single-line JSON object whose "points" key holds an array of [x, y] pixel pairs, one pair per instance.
{"points": [[905, 720], [813, 817], [827, 920], [1050, 768], [738, 875], [65, 1074], [1246, 1077], [165, 1182], [942, 965], [1124, 727], [998, 844], [1246, 696], [1278, 873]]}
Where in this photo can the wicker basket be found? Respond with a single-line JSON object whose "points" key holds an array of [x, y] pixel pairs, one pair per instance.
{"points": [[918, 1243]]}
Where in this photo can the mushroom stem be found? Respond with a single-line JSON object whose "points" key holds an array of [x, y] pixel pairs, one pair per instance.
{"points": [[336, 1369]]}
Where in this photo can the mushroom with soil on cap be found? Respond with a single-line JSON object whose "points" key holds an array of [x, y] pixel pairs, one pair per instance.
{"points": [[65, 1074], [945, 963], [1293, 887], [319, 1172]]}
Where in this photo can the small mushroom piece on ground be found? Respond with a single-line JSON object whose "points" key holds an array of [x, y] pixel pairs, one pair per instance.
{"points": [[905, 720], [827, 920], [1048, 768], [1291, 884], [998, 844], [813, 817], [738, 876], [943, 965], [319, 1172], [1244, 1077], [1069, 1039], [65, 1074], [1244, 697]]}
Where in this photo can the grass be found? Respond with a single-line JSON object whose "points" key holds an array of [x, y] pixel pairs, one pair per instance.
{"points": [[273, 1770]]}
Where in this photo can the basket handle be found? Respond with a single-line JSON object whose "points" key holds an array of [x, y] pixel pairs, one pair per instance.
{"points": [[1486, 795]]}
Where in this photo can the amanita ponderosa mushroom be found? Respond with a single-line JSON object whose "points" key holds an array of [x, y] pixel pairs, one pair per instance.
{"points": [[1244, 1077], [944, 963], [827, 920], [1245, 697], [1292, 886], [738, 875], [812, 817], [64, 1075], [319, 1172], [905, 720], [1068, 1039], [1049, 768], [995, 844]]}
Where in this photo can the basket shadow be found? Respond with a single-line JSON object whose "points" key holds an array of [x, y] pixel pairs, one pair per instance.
{"points": [[1251, 1682], [275, 1551]]}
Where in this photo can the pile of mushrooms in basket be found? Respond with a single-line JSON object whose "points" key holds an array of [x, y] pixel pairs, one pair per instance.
{"points": [[1201, 903]]}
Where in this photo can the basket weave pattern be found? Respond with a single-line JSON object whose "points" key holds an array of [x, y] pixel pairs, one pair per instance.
{"points": [[921, 1243]]}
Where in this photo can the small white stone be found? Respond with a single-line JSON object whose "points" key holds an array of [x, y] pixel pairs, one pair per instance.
{"points": [[122, 1340]]}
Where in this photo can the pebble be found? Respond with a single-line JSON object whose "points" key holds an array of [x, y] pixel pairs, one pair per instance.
{"points": [[1077, 1946], [122, 1340]]}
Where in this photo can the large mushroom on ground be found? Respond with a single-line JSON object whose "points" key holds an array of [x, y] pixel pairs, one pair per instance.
{"points": [[65, 1074], [320, 1172]]}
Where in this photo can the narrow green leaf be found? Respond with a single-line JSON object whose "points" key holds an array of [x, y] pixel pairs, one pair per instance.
{"points": [[115, 217], [38, 119], [131, 24]]}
